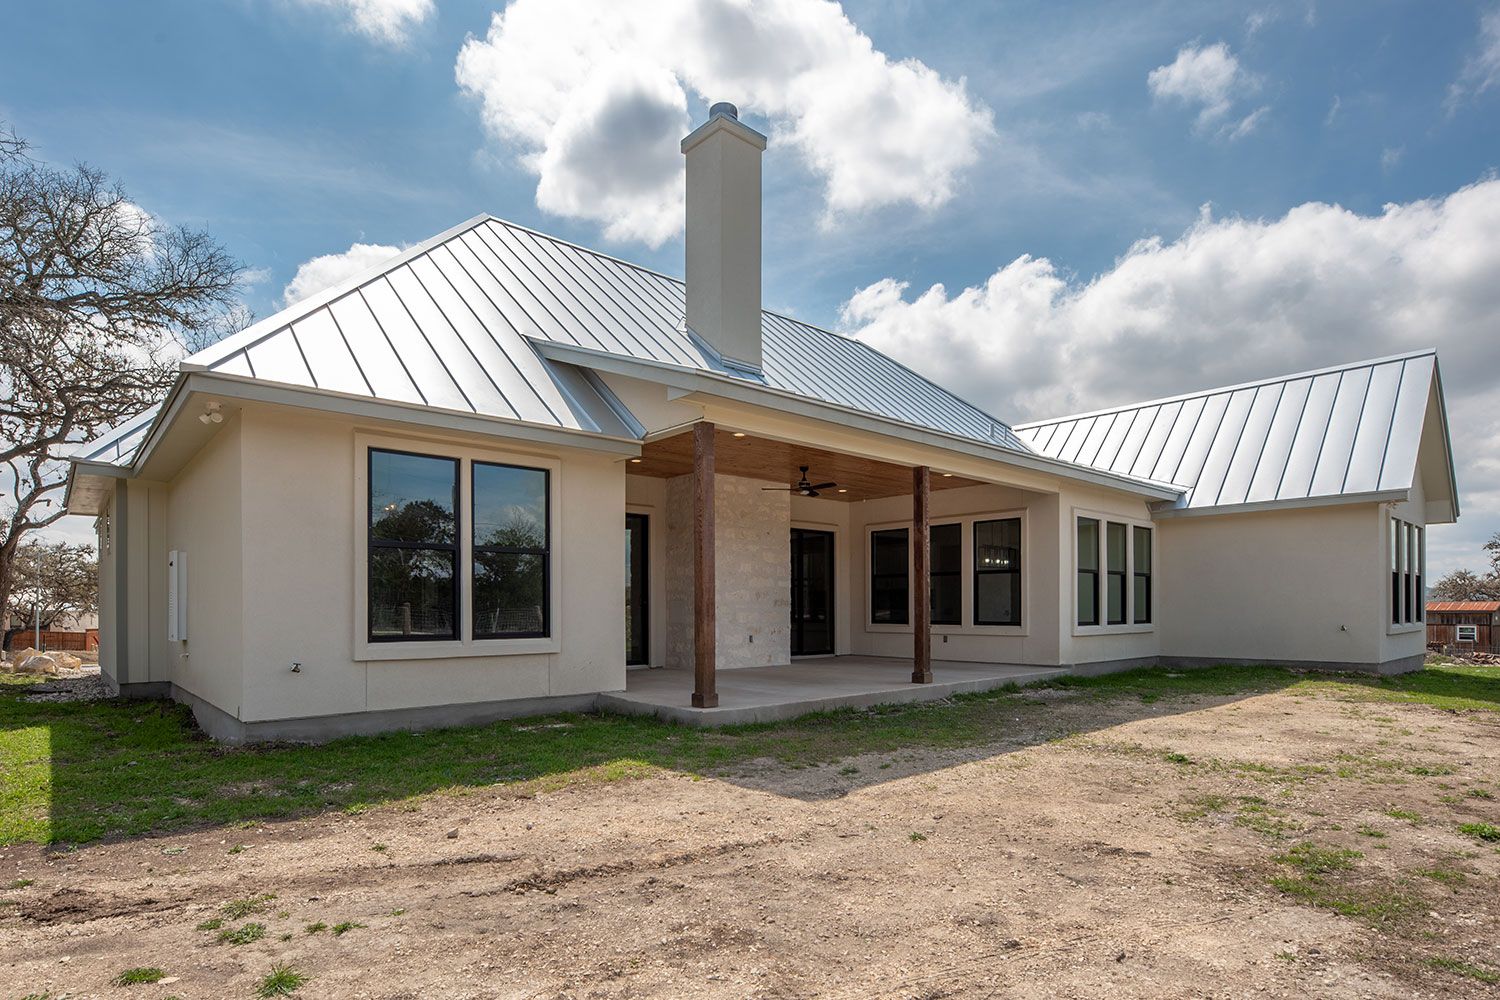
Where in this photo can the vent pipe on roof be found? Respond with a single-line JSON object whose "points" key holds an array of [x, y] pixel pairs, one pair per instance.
{"points": [[723, 235]]}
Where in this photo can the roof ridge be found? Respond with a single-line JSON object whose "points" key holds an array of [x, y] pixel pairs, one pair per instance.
{"points": [[1216, 390]]}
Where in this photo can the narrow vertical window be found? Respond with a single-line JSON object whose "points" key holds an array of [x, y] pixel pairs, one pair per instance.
{"points": [[1410, 573], [1115, 540], [997, 572], [889, 584], [511, 544], [1141, 563], [413, 547], [1088, 571], [1395, 572], [1419, 556], [946, 547]]}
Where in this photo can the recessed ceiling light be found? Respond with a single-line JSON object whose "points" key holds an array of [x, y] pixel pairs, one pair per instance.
{"points": [[635, 461], [947, 475], [843, 491], [739, 434]]}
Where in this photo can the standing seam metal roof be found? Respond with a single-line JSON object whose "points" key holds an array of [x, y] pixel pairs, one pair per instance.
{"points": [[1333, 432], [447, 324]]}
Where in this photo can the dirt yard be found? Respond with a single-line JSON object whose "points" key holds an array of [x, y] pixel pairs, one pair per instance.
{"points": [[1280, 844]]}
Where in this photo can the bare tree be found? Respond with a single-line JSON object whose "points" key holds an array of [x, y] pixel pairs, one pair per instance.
{"points": [[96, 300], [1465, 585], [51, 581]]}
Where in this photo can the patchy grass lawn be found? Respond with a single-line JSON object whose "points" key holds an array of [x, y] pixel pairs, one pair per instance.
{"points": [[76, 772]]}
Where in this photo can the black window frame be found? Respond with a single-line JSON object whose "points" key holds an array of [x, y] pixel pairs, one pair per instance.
{"points": [[372, 543], [955, 575], [1079, 572], [1139, 578], [904, 575], [545, 552], [1121, 575], [979, 571]]}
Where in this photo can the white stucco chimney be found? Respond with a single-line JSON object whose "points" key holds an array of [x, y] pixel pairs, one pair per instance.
{"points": [[723, 235]]}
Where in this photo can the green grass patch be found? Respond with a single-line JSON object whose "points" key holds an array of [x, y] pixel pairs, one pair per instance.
{"points": [[243, 935], [281, 981], [238, 909], [1405, 814], [1487, 832], [1311, 859], [144, 974], [340, 929], [1459, 968], [1322, 880], [65, 760]]}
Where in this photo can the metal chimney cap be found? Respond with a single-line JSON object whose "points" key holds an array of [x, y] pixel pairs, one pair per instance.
{"points": [[724, 108]]}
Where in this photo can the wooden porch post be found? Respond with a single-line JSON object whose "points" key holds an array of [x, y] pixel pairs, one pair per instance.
{"points": [[705, 653], [921, 598]]}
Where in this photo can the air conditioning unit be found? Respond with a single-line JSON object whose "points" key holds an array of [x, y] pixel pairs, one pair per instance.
{"points": [[177, 595]]}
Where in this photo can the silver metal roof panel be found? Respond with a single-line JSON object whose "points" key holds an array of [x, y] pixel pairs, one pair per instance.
{"points": [[1353, 430]]}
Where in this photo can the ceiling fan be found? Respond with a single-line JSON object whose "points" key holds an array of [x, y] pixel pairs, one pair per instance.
{"points": [[802, 486]]}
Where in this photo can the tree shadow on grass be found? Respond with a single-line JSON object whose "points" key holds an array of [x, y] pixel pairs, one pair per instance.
{"points": [[77, 772]]}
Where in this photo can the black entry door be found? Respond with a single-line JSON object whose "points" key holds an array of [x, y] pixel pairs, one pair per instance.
{"points": [[812, 592], [637, 590]]}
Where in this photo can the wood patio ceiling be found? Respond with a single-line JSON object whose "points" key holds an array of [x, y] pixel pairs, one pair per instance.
{"points": [[778, 461]]}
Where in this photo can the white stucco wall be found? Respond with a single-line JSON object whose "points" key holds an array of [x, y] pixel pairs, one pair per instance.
{"points": [[752, 572], [300, 591], [1297, 585], [202, 516]]}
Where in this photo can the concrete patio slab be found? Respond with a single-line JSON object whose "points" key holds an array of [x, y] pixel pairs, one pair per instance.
{"points": [[768, 694]]}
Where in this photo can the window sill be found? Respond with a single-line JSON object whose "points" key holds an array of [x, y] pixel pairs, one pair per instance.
{"points": [[454, 649], [1406, 629], [1084, 630], [976, 630]]}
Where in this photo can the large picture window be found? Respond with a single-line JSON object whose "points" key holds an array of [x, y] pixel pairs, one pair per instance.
{"points": [[889, 577], [947, 554], [413, 547], [997, 572], [1088, 571], [511, 539]]}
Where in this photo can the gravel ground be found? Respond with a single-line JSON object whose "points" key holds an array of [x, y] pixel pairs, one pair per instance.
{"points": [[1134, 859]]}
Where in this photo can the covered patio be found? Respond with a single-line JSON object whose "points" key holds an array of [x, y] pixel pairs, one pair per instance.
{"points": [[766, 694]]}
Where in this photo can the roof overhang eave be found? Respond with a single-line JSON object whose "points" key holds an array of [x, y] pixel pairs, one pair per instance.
{"points": [[711, 383], [1164, 512]]}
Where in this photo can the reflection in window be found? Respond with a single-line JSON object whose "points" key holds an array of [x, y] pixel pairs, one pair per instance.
{"points": [[413, 554], [947, 553], [1141, 569], [1114, 551], [1088, 571], [510, 552], [997, 572], [889, 587]]}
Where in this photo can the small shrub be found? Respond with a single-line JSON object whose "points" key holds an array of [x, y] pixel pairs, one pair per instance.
{"points": [[144, 974], [244, 935], [211, 925], [281, 981], [237, 909], [1481, 831], [916, 837]]}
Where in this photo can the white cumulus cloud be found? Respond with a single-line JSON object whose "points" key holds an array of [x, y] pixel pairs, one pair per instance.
{"points": [[388, 21], [593, 96], [1210, 78], [327, 270], [1227, 301]]}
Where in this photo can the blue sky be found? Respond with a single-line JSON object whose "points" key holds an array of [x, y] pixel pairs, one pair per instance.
{"points": [[292, 129]]}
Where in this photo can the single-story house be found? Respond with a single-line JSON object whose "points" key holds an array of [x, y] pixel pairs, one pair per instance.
{"points": [[500, 471], [1473, 625]]}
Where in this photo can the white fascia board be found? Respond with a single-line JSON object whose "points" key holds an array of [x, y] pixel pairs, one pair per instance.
{"points": [[689, 382], [1165, 512], [1437, 387], [243, 387]]}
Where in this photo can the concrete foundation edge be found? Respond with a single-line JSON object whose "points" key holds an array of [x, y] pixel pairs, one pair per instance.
{"points": [[222, 726]]}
